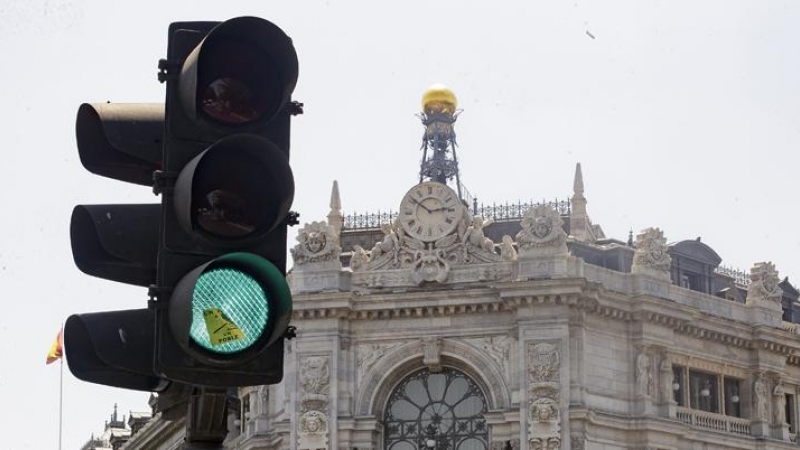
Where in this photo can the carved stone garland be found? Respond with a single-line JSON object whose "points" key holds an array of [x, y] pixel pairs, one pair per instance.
{"points": [[544, 397], [314, 391]]}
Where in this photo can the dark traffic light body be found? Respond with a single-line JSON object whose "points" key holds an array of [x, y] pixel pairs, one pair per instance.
{"points": [[214, 251]]}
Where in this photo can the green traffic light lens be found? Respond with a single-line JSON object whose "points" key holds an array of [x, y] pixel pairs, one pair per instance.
{"points": [[230, 310]]}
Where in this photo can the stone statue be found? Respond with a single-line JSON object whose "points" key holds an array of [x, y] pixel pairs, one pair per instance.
{"points": [[760, 394], [779, 404], [389, 245], [474, 237], [644, 376], [359, 258], [666, 379], [507, 251]]}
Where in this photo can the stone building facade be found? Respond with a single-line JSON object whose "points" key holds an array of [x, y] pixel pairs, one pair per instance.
{"points": [[554, 337]]}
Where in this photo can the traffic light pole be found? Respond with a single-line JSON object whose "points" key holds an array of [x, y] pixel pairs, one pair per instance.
{"points": [[206, 419]]}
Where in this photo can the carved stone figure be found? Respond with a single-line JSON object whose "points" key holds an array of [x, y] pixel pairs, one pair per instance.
{"points": [[474, 238], [666, 379], [763, 286], [545, 424], [316, 242], [644, 374], [542, 232], [313, 431], [651, 252], [390, 245], [778, 404], [359, 258], [760, 398], [577, 442], [507, 251]]}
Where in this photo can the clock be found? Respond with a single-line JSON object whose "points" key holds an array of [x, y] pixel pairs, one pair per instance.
{"points": [[430, 211]]}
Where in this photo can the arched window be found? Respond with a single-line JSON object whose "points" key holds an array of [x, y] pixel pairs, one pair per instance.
{"points": [[436, 411]]}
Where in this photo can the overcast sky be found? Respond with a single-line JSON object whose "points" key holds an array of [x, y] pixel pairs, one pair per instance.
{"points": [[685, 115]]}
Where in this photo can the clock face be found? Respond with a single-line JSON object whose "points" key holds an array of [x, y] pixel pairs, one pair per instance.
{"points": [[430, 211]]}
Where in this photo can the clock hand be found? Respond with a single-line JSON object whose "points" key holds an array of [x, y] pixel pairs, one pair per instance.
{"points": [[420, 204]]}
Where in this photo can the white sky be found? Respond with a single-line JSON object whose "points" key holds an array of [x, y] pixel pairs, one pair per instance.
{"points": [[684, 114]]}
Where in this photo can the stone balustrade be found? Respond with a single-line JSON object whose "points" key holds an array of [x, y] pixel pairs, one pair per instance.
{"points": [[712, 421]]}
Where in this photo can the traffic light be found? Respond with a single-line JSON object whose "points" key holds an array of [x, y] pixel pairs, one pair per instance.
{"points": [[223, 304], [213, 253], [119, 243]]}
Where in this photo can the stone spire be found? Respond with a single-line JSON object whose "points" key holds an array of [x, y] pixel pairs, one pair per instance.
{"points": [[335, 217], [579, 226], [577, 185]]}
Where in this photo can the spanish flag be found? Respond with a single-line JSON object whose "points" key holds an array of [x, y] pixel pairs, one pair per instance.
{"points": [[57, 349]]}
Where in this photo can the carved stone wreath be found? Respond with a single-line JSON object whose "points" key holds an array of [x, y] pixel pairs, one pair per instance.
{"points": [[651, 250], [542, 228]]}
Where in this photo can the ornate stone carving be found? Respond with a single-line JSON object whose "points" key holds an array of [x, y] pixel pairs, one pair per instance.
{"points": [[763, 286], [542, 233], [651, 253], [426, 261], [644, 374], [317, 242], [495, 347], [544, 396], [760, 398], [314, 383], [577, 442], [514, 444], [432, 353], [368, 354]]}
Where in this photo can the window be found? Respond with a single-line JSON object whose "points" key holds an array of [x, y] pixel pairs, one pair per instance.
{"points": [[441, 411], [732, 401], [790, 419], [703, 391], [678, 385]]}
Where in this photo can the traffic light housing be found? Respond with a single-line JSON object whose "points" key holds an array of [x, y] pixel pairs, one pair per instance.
{"points": [[118, 243], [213, 253], [223, 303]]}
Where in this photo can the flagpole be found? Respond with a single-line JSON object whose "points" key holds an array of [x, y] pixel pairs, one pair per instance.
{"points": [[60, 400]]}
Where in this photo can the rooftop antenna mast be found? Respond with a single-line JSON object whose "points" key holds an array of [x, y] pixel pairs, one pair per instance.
{"points": [[438, 116]]}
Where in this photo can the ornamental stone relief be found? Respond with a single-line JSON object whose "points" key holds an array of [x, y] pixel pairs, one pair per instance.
{"points": [[495, 347], [312, 426], [544, 396], [368, 354], [427, 261], [763, 288], [317, 242], [542, 233], [651, 255]]}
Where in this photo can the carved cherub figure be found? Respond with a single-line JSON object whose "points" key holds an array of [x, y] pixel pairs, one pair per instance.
{"points": [[474, 236], [389, 244]]}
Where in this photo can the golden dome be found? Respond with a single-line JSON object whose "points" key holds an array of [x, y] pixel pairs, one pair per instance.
{"points": [[439, 98]]}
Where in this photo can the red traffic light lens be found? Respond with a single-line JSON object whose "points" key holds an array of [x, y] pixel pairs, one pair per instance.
{"points": [[238, 84]]}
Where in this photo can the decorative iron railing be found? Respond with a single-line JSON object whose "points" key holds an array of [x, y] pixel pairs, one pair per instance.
{"points": [[368, 220], [515, 211], [740, 277], [712, 421], [508, 212]]}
